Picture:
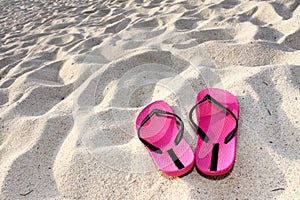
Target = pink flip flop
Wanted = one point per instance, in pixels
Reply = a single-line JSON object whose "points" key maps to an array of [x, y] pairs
{"points": [[161, 131], [217, 114]]}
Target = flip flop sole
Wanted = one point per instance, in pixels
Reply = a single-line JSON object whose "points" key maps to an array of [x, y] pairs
{"points": [[175, 160], [214, 157]]}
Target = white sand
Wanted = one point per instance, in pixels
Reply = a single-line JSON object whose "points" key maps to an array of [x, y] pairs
{"points": [[74, 76]]}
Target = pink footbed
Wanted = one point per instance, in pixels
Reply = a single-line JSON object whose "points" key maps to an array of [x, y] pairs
{"points": [[161, 132], [217, 124]]}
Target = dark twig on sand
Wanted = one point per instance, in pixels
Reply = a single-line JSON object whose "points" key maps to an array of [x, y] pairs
{"points": [[27, 193], [277, 189]]}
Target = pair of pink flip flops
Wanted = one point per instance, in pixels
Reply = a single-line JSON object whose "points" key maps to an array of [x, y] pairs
{"points": [[161, 131]]}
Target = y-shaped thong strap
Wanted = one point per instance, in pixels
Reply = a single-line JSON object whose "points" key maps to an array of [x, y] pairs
{"points": [[201, 133], [163, 113], [205, 138]]}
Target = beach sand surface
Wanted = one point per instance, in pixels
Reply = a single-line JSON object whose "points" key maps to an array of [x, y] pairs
{"points": [[74, 75]]}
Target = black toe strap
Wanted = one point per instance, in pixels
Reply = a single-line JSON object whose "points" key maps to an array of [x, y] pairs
{"points": [[175, 159], [201, 133], [161, 113]]}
